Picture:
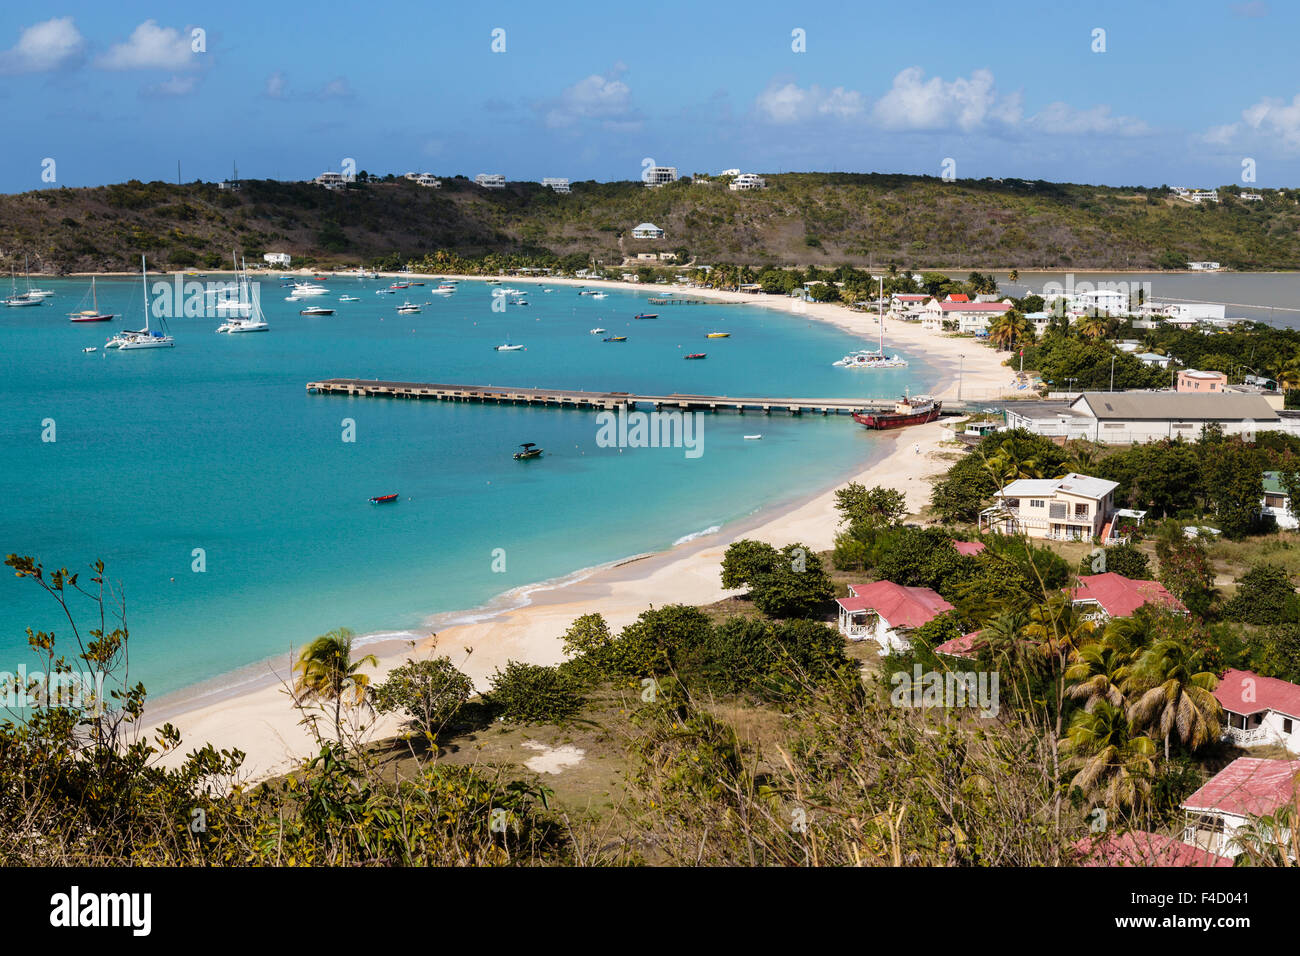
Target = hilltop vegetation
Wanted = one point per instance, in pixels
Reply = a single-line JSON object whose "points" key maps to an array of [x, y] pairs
{"points": [[823, 219]]}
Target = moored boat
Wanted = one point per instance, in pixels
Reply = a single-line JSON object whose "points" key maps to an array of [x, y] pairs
{"points": [[615, 338], [92, 314], [698, 355], [316, 310], [718, 335], [383, 499], [646, 315], [529, 450], [907, 411]]}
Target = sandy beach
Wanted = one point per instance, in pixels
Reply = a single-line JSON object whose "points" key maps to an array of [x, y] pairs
{"points": [[258, 718]]}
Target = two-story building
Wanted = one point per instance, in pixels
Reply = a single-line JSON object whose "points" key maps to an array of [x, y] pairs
{"points": [[1072, 508], [1247, 787], [884, 612], [967, 317], [1195, 380], [1260, 710]]}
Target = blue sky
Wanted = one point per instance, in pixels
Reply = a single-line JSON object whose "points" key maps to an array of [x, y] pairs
{"points": [[1182, 94]]}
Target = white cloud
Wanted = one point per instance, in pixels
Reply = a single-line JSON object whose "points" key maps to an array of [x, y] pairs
{"points": [[150, 47], [1272, 120], [913, 102], [335, 89], [1062, 118], [276, 85], [791, 103], [43, 46], [606, 98]]}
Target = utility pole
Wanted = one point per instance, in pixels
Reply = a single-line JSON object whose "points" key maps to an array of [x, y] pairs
{"points": [[1112, 372], [961, 369]]}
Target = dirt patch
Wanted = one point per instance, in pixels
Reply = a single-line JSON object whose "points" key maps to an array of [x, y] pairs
{"points": [[552, 759]]}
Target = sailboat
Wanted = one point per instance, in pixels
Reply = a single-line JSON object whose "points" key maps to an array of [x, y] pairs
{"points": [[92, 314], [249, 317], [34, 293], [145, 338], [868, 358], [19, 300]]}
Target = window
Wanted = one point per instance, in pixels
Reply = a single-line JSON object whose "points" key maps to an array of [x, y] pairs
{"points": [[1035, 503], [1057, 510], [1286, 726], [1081, 511]]}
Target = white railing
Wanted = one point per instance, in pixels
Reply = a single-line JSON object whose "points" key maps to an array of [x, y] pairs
{"points": [[1254, 735]]}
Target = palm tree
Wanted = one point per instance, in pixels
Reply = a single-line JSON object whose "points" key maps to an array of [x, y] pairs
{"points": [[1009, 328], [1058, 628], [1098, 673], [1007, 465], [1082, 456], [327, 673], [1013, 275], [1272, 839], [1091, 326], [1175, 695], [1108, 758]]}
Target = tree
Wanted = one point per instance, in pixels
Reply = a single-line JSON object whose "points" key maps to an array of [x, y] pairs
{"points": [[1122, 559], [1109, 758], [859, 505], [1098, 672], [1185, 570], [430, 692], [327, 673], [1264, 596], [588, 633], [531, 694], [1233, 475], [1010, 328], [744, 560], [788, 583], [1173, 694]]}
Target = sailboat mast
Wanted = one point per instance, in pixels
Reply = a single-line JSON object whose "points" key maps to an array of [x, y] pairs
{"points": [[880, 311], [94, 295], [144, 287]]}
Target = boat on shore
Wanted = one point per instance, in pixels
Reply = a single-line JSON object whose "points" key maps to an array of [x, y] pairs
{"points": [[907, 411]]}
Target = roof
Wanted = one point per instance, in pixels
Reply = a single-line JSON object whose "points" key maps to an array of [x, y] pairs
{"points": [[911, 296], [974, 306], [1176, 406], [968, 548], [1273, 483], [1248, 785], [1197, 373], [899, 606], [963, 646], [1140, 848], [957, 297], [1074, 484], [1245, 692], [1120, 596], [646, 225]]}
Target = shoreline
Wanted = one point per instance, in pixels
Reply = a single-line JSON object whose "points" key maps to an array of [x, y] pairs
{"points": [[247, 708]]}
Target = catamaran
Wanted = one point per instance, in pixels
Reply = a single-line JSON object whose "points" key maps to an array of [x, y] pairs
{"points": [[145, 338], [92, 314], [873, 358]]}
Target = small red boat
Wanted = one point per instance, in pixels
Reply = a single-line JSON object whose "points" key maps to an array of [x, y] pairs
{"points": [[647, 315], [382, 499], [698, 355], [907, 411]]}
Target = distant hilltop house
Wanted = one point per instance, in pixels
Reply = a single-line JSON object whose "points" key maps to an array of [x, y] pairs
{"points": [[277, 259], [1194, 380], [747, 181], [1196, 195], [1140, 416], [491, 180], [229, 185], [884, 612], [556, 184], [1204, 266], [647, 230], [1247, 787], [1251, 197], [1276, 503], [425, 179], [331, 180], [654, 176], [1073, 508], [1260, 710], [969, 316]]}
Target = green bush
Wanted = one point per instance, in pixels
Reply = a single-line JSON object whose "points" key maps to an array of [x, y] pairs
{"points": [[429, 692], [532, 694]]}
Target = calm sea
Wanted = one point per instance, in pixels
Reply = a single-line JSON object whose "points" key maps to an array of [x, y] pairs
{"points": [[212, 455]]}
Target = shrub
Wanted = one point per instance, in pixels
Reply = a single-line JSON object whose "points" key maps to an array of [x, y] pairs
{"points": [[429, 692], [1122, 559], [1264, 596], [531, 694]]}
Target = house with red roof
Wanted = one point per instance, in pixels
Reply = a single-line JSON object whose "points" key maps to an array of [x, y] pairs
{"points": [[1247, 787], [968, 548], [1260, 710], [1140, 848], [884, 612], [957, 297], [1103, 596], [965, 647]]}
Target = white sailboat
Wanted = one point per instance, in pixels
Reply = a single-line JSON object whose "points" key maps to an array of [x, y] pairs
{"points": [[34, 293], [19, 300], [145, 338], [249, 317]]}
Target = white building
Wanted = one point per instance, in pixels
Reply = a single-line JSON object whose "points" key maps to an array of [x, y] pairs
{"points": [[884, 611], [1277, 503], [1251, 197], [659, 175], [277, 259], [1260, 710], [331, 180], [1072, 508], [556, 184], [747, 181], [647, 230], [1247, 787], [425, 179], [1136, 416], [1197, 195], [1203, 266], [491, 180]]}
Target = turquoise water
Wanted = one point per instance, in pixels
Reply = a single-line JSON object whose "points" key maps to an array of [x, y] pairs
{"points": [[216, 445]]}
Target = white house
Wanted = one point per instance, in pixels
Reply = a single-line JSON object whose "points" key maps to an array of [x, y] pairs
{"points": [[1203, 266], [647, 230], [968, 317], [1251, 197], [1247, 787], [277, 259], [1101, 597], [1072, 508], [884, 611], [659, 175], [1260, 710], [491, 180], [1136, 416], [556, 184], [1277, 503], [747, 181], [331, 180]]}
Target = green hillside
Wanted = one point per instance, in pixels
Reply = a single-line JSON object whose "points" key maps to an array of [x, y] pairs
{"points": [[827, 219]]}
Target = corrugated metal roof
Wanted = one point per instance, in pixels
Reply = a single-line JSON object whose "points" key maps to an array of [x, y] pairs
{"points": [[1176, 406]]}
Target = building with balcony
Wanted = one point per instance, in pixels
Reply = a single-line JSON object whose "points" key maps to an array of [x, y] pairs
{"points": [[1247, 787], [1073, 508], [491, 180], [747, 181], [1260, 710], [884, 612], [428, 180], [647, 230], [280, 259], [1277, 503], [557, 184], [331, 180], [654, 176]]}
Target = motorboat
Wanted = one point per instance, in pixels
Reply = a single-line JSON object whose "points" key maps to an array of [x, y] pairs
{"points": [[599, 331], [615, 338], [90, 348], [508, 348], [407, 308], [718, 335], [307, 289], [646, 315], [527, 451], [383, 499], [698, 355], [753, 437], [349, 298], [316, 310]]}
